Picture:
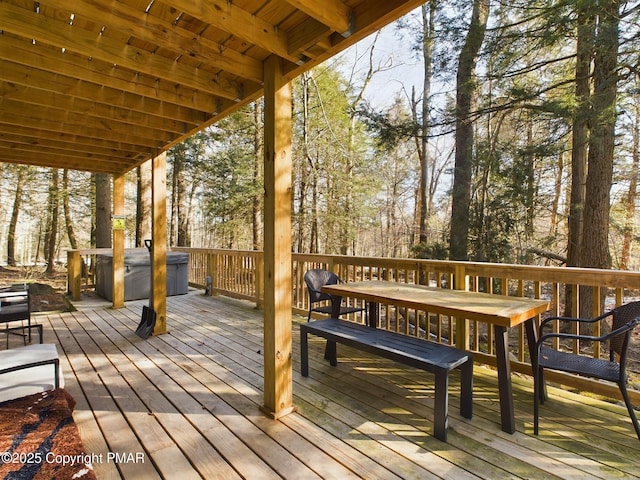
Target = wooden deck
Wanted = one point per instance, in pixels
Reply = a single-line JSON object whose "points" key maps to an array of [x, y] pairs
{"points": [[188, 404]]}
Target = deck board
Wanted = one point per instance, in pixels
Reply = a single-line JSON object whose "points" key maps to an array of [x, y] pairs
{"points": [[190, 401]]}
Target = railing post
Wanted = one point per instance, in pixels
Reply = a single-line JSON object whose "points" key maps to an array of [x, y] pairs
{"points": [[259, 280], [212, 272], [74, 274], [462, 324]]}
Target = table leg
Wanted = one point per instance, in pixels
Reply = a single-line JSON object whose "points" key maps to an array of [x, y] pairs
{"points": [[504, 379], [336, 302], [373, 314]]}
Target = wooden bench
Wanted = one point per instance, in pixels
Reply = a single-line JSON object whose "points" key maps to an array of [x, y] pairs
{"points": [[433, 357]]}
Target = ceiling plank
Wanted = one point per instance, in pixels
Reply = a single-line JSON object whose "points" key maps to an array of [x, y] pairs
{"points": [[229, 17], [31, 25], [63, 161], [67, 152], [34, 96], [78, 144], [19, 75], [105, 75], [333, 13], [52, 121], [154, 30], [306, 35], [43, 136]]}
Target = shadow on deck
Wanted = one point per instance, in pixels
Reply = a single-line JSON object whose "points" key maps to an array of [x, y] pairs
{"points": [[189, 402]]}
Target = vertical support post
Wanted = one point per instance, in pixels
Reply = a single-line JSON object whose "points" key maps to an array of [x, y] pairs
{"points": [[159, 246], [462, 324], [211, 272], [259, 280], [278, 381], [74, 274], [118, 241]]}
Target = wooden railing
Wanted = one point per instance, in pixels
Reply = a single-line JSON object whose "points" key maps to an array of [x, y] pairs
{"points": [[238, 274]]}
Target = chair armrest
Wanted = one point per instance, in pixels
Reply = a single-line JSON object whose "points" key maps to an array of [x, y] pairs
{"points": [[548, 320], [590, 338]]}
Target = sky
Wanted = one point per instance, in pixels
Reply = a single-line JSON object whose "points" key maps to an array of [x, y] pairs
{"points": [[399, 67]]}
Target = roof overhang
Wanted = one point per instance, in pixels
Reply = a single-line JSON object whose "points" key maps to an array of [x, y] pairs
{"points": [[104, 85]]}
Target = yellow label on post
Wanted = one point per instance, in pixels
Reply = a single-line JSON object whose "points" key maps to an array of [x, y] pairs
{"points": [[118, 222]]}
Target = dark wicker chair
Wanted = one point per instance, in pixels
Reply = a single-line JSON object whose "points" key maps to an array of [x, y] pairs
{"points": [[322, 302], [16, 306], [624, 319]]}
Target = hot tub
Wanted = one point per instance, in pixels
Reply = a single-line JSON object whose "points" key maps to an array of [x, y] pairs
{"points": [[137, 274]]}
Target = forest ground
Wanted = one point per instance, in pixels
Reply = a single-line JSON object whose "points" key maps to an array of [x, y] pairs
{"points": [[47, 291]]}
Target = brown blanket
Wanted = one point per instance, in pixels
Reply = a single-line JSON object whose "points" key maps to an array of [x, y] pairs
{"points": [[39, 440]]}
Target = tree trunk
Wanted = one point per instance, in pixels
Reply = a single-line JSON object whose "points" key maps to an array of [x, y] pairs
{"points": [[67, 210], [103, 211], [17, 205], [464, 137], [632, 193], [143, 204], [428, 32], [595, 245], [580, 138], [584, 48], [52, 230], [256, 206], [184, 237]]}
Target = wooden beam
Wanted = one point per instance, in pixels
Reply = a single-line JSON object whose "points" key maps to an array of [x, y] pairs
{"points": [[306, 36], [118, 242], [86, 123], [227, 16], [62, 35], [36, 125], [333, 13], [149, 28], [278, 395], [18, 77], [158, 299], [75, 146], [368, 17], [61, 161], [70, 68], [27, 147], [102, 112]]}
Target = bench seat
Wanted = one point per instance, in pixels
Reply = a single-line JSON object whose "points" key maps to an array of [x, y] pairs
{"points": [[433, 357]]}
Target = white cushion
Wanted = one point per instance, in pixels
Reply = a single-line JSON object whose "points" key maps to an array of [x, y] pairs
{"points": [[29, 380]]}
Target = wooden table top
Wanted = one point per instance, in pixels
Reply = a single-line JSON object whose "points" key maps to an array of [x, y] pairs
{"points": [[495, 309]]}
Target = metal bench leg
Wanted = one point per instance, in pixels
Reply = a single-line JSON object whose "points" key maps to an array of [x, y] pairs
{"points": [[304, 352], [331, 353], [466, 389], [441, 415]]}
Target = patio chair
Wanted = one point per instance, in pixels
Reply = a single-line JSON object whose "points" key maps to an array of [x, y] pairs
{"points": [[624, 319], [315, 280], [16, 306]]}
